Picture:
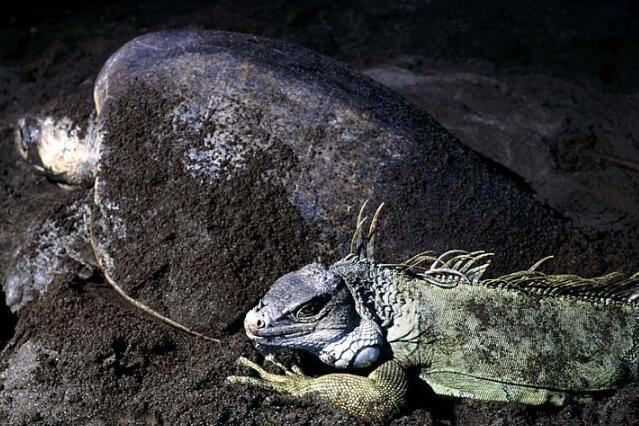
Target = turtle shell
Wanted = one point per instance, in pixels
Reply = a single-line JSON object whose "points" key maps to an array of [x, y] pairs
{"points": [[227, 160]]}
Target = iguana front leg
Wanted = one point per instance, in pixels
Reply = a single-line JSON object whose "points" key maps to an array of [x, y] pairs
{"points": [[375, 397]]}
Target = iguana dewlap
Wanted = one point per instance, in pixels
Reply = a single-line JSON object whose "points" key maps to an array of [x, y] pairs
{"points": [[526, 337]]}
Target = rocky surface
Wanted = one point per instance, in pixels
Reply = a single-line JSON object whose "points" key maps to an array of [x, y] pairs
{"points": [[79, 354]]}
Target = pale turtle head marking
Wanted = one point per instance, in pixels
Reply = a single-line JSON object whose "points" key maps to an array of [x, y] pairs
{"points": [[57, 149]]}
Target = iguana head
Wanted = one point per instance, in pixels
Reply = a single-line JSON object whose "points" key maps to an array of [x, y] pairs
{"points": [[325, 311], [312, 309]]}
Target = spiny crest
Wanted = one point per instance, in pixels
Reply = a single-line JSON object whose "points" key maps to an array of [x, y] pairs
{"points": [[456, 267], [610, 287], [449, 269], [365, 247]]}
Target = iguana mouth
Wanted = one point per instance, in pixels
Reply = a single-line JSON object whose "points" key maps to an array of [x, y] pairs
{"points": [[296, 330]]}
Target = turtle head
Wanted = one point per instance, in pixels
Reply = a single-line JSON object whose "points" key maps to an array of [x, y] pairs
{"points": [[27, 137], [54, 148], [313, 310]]}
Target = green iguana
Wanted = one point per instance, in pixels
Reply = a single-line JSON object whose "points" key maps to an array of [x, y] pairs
{"points": [[526, 337]]}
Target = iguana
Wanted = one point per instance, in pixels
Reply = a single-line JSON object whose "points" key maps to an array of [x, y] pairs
{"points": [[526, 337]]}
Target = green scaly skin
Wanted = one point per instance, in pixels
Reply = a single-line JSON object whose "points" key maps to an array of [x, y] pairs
{"points": [[526, 337]]}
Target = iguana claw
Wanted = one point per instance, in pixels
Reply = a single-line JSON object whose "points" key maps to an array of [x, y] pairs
{"points": [[284, 383], [294, 370]]}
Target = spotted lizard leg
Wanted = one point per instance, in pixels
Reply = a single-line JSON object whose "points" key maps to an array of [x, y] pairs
{"points": [[375, 397]]}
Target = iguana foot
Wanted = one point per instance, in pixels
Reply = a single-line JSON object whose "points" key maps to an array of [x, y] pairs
{"points": [[291, 382], [375, 397]]}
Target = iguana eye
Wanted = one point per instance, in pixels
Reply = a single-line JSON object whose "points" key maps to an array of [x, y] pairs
{"points": [[310, 309]]}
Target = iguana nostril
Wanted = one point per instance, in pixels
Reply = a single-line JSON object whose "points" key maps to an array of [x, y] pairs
{"points": [[254, 322]]}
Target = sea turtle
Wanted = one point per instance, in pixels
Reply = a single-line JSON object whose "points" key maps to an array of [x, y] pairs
{"points": [[216, 162]]}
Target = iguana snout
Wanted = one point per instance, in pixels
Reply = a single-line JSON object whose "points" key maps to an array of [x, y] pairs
{"points": [[253, 322]]}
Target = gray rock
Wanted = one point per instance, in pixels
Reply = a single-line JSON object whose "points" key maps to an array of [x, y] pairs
{"points": [[19, 391]]}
